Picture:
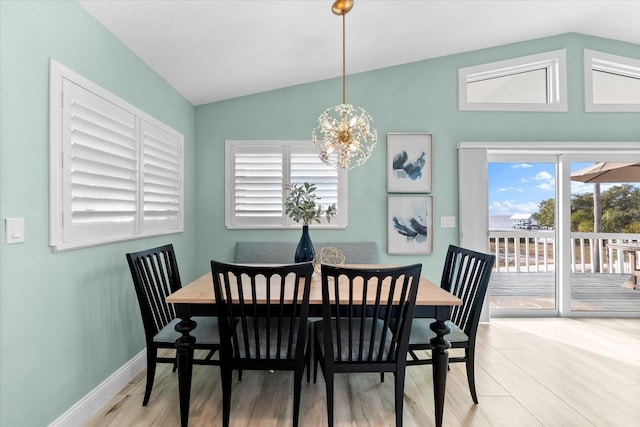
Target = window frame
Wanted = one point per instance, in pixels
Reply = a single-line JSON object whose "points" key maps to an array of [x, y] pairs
{"points": [[340, 221], [620, 65], [555, 64], [61, 235]]}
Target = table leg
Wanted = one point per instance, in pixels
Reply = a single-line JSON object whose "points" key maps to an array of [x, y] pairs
{"points": [[440, 357], [184, 357]]}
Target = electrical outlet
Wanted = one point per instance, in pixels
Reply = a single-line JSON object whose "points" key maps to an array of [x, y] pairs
{"points": [[447, 222]]}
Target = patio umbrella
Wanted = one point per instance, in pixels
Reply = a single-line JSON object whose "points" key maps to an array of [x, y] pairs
{"points": [[608, 172], [605, 172]]}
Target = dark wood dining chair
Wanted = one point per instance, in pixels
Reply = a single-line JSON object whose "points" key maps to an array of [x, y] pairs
{"points": [[366, 320], [466, 275], [155, 276], [262, 315]]}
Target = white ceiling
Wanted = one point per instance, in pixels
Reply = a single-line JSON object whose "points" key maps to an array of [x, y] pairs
{"points": [[210, 50]]}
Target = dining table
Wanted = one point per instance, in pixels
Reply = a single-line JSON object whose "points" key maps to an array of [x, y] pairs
{"points": [[632, 249], [197, 299]]}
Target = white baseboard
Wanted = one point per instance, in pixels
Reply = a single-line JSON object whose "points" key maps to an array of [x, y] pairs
{"points": [[85, 407]]}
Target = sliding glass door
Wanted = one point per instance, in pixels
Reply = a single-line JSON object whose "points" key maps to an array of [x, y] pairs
{"points": [[564, 246]]}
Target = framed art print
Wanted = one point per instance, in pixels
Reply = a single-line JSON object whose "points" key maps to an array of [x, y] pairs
{"points": [[409, 224], [409, 162]]}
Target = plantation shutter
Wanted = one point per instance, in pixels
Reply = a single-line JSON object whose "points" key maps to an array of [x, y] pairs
{"points": [[257, 178], [100, 162], [115, 173], [162, 178], [257, 185], [306, 166]]}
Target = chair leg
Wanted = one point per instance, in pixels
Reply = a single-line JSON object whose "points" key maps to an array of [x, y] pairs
{"points": [[297, 391], [152, 354], [226, 374], [316, 359], [399, 395], [471, 373], [307, 360], [381, 377], [328, 379]]}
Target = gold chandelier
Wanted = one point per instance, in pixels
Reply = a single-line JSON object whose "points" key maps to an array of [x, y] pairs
{"points": [[344, 137]]}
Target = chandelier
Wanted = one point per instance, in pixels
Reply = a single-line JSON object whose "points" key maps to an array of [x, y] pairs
{"points": [[344, 137]]}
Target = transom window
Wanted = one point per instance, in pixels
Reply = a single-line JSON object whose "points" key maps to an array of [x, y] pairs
{"points": [[529, 83], [258, 174], [612, 83]]}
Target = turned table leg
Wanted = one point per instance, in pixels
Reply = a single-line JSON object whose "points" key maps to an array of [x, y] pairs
{"points": [[440, 357], [184, 357]]}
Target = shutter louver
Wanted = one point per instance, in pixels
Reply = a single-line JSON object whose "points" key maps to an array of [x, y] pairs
{"points": [[100, 166], [162, 179]]}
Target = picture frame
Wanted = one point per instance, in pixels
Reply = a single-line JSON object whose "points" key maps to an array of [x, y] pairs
{"points": [[409, 162], [409, 224]]}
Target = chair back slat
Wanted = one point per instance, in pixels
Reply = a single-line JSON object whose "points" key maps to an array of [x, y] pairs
{"points": [[466, 275], [367, 313], [262, 310], [155, 276]]}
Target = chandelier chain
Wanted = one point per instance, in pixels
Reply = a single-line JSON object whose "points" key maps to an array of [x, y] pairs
{"points": [[344, 61]]}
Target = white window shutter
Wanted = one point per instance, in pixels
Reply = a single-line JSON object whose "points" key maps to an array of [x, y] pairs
{"points": [[116, 173], [306, 166], [257, 184], [257, 177], [162, 179], [99, 166]]}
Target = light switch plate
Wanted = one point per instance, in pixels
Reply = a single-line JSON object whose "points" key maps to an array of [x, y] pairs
{"points": [[447, 222], [14, 230]]}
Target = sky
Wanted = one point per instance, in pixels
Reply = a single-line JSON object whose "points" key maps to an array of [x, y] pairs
{"points": [[520, 187]]}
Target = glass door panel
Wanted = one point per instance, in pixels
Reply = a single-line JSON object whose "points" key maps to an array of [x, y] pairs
{"points": [[522, 195], [605, 233]]}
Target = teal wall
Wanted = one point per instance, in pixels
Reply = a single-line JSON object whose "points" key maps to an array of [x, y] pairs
{"points": [[68, 320], [417, 97]]}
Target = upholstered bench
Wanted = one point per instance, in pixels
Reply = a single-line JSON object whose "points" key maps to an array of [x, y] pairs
{"points": [[283, 252]]}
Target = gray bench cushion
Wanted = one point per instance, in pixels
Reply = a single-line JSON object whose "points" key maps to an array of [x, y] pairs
{"points": [[283, 252]]}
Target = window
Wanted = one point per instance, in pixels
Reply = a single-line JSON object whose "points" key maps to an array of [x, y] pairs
{"points": [[258, 173], [530, 83], [115, 172], [612, 83]]}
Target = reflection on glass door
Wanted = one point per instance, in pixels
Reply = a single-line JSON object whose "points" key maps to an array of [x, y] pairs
{"points": [[605, 236], [522, 195]]}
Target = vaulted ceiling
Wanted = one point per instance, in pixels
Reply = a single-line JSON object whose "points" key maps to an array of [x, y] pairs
{"points": [[214, 50]]}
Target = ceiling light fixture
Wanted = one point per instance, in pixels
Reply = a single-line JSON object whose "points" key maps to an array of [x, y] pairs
{"points": [[344, 137]]}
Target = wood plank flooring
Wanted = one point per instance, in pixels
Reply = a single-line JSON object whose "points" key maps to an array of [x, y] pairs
{"points": [[529, 372], [589, 292]]}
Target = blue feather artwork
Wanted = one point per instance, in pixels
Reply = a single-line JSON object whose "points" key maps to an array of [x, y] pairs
{"points": [[404, 167], [413, 228], [409, 161], [409, 224]]}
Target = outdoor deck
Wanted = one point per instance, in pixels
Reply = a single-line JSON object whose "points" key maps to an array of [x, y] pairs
{"points": [[590, 292]]}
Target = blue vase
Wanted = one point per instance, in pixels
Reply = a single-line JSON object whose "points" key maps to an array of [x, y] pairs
{"points": [[305, 251]]}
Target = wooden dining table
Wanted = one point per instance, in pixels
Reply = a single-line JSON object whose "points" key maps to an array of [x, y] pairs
{"points": [[632, 250], [197, 299]]}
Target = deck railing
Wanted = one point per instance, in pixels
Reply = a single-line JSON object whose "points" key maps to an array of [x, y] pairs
{"points": [[534, 251]]}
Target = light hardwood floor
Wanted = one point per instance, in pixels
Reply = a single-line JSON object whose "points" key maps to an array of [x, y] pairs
{"points": [[529, 372]]}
